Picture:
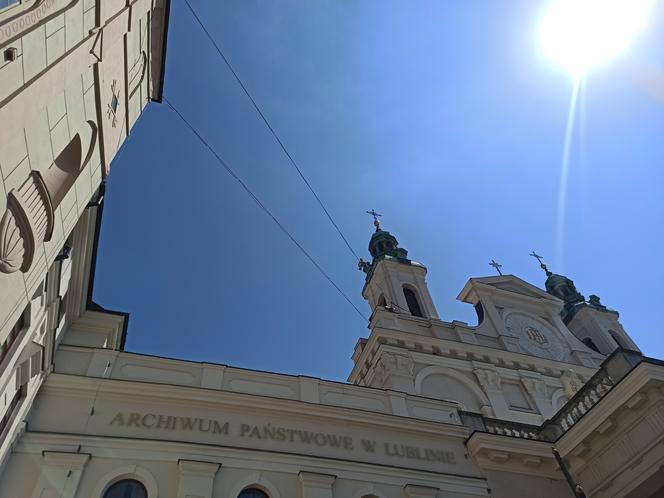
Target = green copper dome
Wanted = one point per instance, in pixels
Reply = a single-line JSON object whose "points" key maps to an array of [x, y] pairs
{"points": [[383, 244], [564, 289]]}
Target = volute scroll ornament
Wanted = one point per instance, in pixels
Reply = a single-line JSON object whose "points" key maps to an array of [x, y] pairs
{"points": [[28, 221]]}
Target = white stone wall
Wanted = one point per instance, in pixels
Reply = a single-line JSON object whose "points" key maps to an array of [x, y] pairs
{"points": [[61, 61]]}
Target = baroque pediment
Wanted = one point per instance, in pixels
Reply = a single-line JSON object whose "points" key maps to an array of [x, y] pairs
{"points": [[505, 285]]}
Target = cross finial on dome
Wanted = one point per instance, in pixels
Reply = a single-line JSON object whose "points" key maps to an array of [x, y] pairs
{"points": [[497, 266], [375, 217], [542, 265]]}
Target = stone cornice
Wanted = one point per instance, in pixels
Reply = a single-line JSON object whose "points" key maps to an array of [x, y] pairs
{"points": [[210, 398], [198, 468], [511, 454], [456, 350]]}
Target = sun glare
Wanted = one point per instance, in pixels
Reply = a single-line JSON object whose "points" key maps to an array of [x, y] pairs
{"points": [[580, 34]]}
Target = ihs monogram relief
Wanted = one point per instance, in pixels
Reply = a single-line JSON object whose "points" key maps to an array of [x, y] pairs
{"points": [[535, 335], [112, 108]]}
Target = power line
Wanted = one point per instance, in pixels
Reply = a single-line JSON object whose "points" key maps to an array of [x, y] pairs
{"points": [[263, 207], [274, 133]]}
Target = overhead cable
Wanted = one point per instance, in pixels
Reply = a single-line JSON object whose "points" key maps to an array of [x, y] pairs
{"points": [[272, 131], [260, 204]]}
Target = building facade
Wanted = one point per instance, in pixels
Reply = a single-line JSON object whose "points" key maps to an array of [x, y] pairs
{"points": [[75, 76], [546, 396]]}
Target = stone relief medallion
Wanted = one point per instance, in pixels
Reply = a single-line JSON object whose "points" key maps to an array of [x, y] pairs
{"points": [[535, 337]]}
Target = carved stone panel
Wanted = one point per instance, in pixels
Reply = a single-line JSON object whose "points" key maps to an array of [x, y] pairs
{"points": [[27, 222], [535, 337]]}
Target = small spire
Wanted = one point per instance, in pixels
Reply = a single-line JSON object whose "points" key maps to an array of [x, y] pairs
{"points": [[375, 217], [542, 265], [497, 266]]}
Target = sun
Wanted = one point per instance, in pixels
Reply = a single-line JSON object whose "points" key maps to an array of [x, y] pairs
{"points": [[580, 34]]}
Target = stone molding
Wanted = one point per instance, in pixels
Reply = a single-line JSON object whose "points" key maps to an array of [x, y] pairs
{"points": [[393, 364], [72, 384], [510, 454], [196, 478], [535, 387], [128, 472], [414, 491], [316, 485], [197, 468], [571, 382], [61, 472], [489, 379], [448, 350]]}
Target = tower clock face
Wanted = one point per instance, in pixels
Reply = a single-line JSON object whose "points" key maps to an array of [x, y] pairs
{"points": [[535, 337]]}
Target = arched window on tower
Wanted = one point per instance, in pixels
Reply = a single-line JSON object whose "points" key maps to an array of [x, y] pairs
{"points": [[381, 301], [591, 344], [413, 303], [618, 340], [252, 493], [127, 488]]}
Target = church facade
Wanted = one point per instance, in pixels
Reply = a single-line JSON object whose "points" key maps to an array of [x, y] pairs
{"points": [[546, 396]]}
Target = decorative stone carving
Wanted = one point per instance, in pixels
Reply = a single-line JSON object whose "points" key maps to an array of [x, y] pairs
{"points": [[571, 382], [535, 387], [27, 221], [29, 218], [393, 364], [535, 337], [489, 379]]}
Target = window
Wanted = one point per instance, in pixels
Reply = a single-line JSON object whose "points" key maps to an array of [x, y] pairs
{"points": [[252, 493], [618, 340], [479, 309], [591, 344], [413, 304], [127, 488]]}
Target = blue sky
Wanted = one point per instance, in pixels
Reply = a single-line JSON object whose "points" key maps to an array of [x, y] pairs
{"points": [[442, 115]]}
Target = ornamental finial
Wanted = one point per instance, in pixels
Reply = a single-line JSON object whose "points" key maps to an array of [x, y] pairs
{"points": [[542, 265], [375, 217], [497, 266]]}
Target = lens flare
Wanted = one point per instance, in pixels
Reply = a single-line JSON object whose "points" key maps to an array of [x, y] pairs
{"points": [[580, 34]]}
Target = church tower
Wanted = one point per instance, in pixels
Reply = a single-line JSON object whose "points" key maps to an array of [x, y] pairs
{"points": [[590, 321], [393, 281]]}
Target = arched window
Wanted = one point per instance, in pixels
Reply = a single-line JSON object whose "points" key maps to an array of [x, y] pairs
{"points": [[413, 303], [381, 301], [591, 344], [618, 340], [127, 488], [253, 493]]}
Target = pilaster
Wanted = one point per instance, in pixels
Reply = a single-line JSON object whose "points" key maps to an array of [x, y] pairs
{"points": [[316, 485], [536, 388], [413, 491], [489, 379], [196, 478], [61, 474]]}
